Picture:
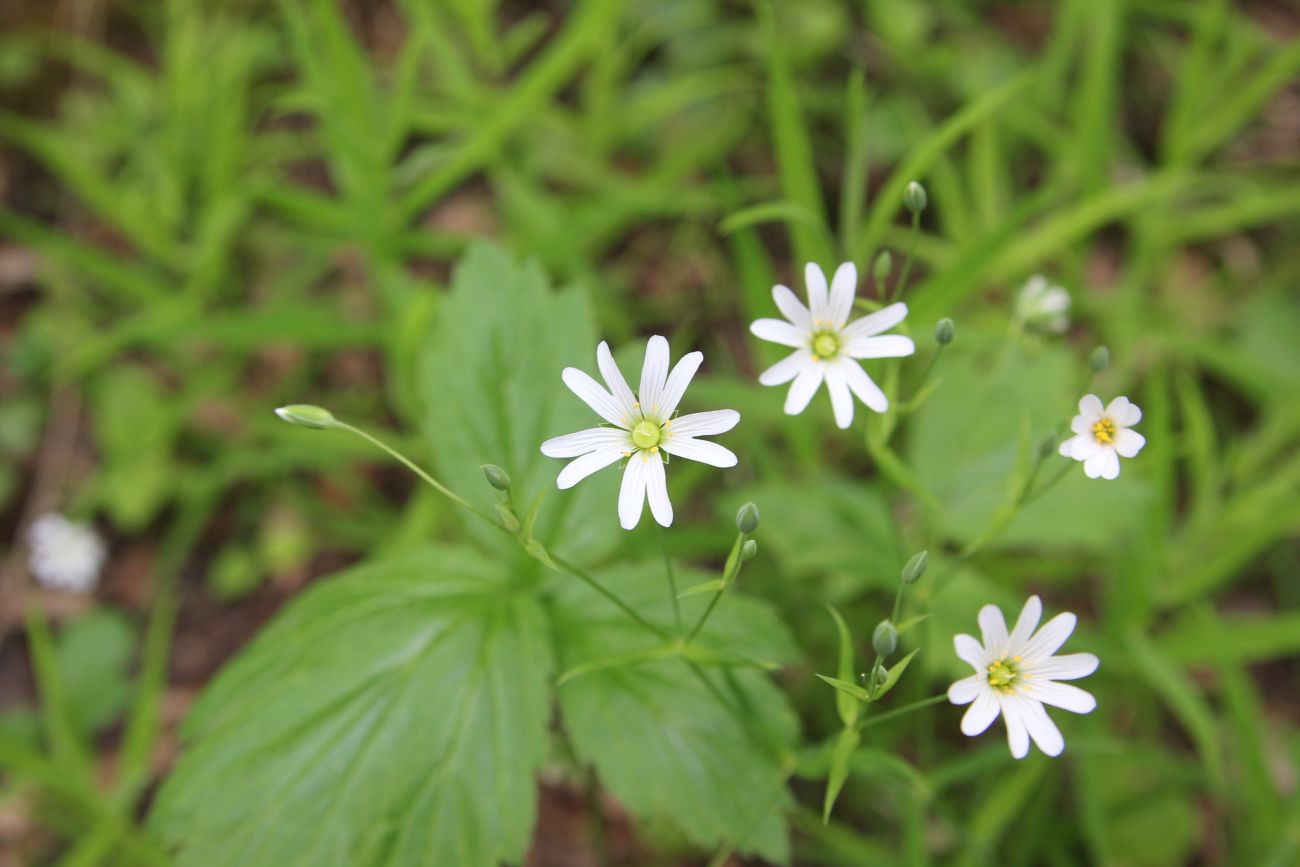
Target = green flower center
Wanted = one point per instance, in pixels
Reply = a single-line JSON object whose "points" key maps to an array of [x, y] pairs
{"points": [[826, 344], [646, 435], [1005, 673]]}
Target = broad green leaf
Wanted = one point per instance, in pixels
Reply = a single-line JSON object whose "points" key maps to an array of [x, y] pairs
{"points": [[493, 392], [659, 737], [92, 653], [392, 715]]}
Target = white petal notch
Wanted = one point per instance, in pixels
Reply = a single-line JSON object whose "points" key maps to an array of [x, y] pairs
{"points": [[642, 430], [1103, 435], [827, 346], [1017, 673]]}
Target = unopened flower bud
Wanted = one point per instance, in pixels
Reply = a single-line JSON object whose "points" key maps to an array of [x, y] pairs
{"points": [[748, 550], [496, 477], [883, 268], [885, 639], [1099, 359], [915, 567], [914, 197], [306, 415], [944, 331], [747, 518]]}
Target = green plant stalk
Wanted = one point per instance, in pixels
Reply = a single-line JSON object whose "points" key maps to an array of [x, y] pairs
{"points": [[729, 573], [906, 273], [672, 581]]}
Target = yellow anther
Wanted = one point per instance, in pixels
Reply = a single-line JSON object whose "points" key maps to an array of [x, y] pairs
{"points": [[1103, 431]]}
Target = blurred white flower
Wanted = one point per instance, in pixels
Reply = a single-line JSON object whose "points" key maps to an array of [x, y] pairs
{"points": [[1043, 306], [1016, 674], [643, 430], [64, 555], [826, 343], [1102, 435]]}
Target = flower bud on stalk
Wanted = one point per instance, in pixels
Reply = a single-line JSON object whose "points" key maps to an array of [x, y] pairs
{"points": [[496, 477], [747, 518], [883, 268], [944, 331], [306, 415], [915, 567], [1099, 359], [748, 550], [885, 639], [915, 198]]}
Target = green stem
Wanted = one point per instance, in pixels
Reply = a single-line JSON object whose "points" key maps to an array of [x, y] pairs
{"points": [[897, 712], [672, 581], [729, 574], [1051, 483], [590, 580], [911, 255]]}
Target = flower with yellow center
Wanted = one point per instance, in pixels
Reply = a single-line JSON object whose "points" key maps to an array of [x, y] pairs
{"points": [[827, 346], [643, 429], [1016, 674], [1102, 435]]}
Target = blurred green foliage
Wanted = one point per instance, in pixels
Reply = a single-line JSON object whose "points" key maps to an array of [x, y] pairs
{"points": [[264, 209]]}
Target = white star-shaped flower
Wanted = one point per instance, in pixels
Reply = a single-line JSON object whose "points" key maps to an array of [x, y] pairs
{"points": [[64, 555], [827, 345], [1102, 435], [1016, 674], [1040, 305], [644, 429]]}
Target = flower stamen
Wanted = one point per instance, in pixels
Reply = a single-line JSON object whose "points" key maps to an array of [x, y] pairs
{"points": [[1103, 430], [825, 345]]}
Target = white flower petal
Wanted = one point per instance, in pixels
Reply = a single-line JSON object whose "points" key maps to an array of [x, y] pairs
{"points": [[967, 689], [654, 372], [815, 280], [656, 488], [971, 652], [802, 390], [1103, 464], [1081, 447], [577, 470], [614, 379], [600, 401], [631, 494], [1124, 411], [874, 323], [791, 307], [1063, 695], [780, 331], [888, 346], [844, 285], [981, 714], [1082, 425], [787, 368], [1070, 666], [701, 424], [1054, 301], [1050, 638], [575, 444], [1026, 623], [681, 377], [863, 386], [699, 450], [994, 629], [1040, 726], [1128, 442], [1017, 732], [841, 398], [1090, 407]]}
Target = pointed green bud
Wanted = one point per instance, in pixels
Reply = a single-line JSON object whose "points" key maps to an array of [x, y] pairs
{"points": [[1099, 359], [306, 415], [944, 331], [748, 550], [496, 477], [508, 518], [885, 639], [747, 518], [883, 268], [1047, 447], [914, 197], [915, 567]]}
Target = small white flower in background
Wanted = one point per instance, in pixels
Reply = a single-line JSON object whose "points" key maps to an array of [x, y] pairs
{"points": [[1043, 306], [64, 555], [643, 430], [1016, 674], [826, 344], [1102, 435]]}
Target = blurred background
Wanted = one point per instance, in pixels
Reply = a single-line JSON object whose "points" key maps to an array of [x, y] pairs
{"points": [[209, 209]]}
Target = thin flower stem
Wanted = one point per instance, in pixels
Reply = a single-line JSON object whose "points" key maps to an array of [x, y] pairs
{"points": [[672, 581], [591, 581], [897, 712], [1048, 485], [728, 576], [911, 255], [898, 602], [929, 369]]}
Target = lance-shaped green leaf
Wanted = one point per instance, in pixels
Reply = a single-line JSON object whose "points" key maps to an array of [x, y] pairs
{"points": [[845, 744], [700, 748], [845, 703], [847, 688], [392, 715], [891, 678]]}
